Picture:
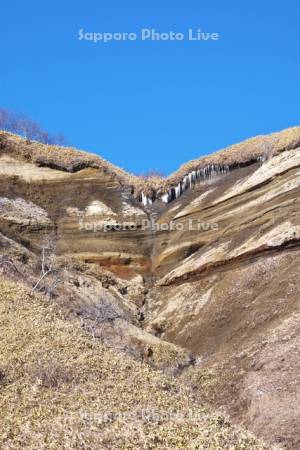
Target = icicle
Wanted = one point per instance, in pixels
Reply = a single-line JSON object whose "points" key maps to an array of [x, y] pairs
{"points": [[185, 183], [146, 200], [165, 198], [178, 190], [204, 174], [261, 159]]}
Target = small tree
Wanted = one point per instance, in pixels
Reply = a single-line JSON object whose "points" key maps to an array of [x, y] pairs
{"points": [[27, 128], [47, 268]]}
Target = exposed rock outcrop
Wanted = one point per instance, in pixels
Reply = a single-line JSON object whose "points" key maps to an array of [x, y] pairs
{"points": [[205, 286]]}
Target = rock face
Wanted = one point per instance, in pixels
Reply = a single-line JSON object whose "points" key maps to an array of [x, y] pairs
{"points": [[204, 285], [231, 295]]}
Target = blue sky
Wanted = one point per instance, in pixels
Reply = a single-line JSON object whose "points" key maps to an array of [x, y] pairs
{"points": [[149, 105]]}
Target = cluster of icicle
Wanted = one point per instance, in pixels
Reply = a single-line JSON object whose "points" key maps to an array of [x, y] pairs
{"points": [[189, 180], [207, 173], [262, 159]]}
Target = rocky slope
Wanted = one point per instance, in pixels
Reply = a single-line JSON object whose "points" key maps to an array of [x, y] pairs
{"points": [[195, 275]]}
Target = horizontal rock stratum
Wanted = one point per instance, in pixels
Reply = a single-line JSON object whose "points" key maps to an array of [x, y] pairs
{"points": [[195, 275]]}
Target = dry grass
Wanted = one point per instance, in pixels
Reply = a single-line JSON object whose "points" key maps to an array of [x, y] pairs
{"points": [[68, 159], [72, 160], [243, 152], [62, 390]]}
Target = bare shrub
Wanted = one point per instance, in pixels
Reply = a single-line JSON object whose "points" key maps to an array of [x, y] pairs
{"points": [[49, 275], [49, 374], [27, 128], [106, 312], [8, 266], [96, 319]]}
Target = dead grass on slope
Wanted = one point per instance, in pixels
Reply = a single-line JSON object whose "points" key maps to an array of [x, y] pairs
{"points": [[72, 160], [68, 159], [60, 389], [244, 152]]}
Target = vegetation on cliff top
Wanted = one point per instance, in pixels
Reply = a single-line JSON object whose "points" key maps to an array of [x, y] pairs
{"points": [[72, 160]]}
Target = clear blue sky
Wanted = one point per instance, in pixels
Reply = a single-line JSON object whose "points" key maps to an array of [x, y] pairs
{"points": [[152, 105]]}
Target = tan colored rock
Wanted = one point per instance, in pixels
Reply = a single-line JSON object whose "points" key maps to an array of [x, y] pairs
{"points": [[228, 295]]}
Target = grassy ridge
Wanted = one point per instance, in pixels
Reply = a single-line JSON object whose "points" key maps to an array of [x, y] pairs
{"points": [[71, 160]]}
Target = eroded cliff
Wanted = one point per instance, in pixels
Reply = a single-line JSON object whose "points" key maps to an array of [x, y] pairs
{"points": [[196, 274]]}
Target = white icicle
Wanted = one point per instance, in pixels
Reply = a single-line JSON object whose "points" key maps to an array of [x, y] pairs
{"points": [[177, 191], [165, 198], [261, 159], [185, 183], [203, 174], [144, 199]]}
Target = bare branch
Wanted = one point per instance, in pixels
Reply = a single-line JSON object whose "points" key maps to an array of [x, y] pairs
{"points": [[27, 128], [48, 248], [5, 262]]}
